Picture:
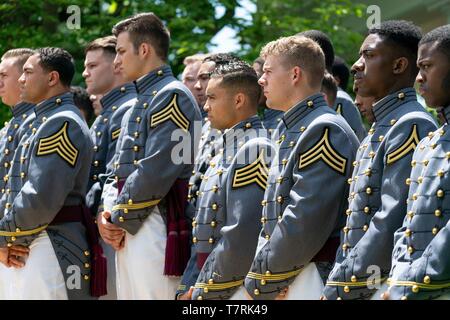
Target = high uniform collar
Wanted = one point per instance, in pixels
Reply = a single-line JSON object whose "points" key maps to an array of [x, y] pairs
{"points": [[21, 108], [303, 108], [53, 102], [238, 131], [112, 96], [391, 102], [147, 81]]}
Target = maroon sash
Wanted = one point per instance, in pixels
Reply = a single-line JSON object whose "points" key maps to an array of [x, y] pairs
{"points": [[98, 262], [328, 251], [177, 246]]}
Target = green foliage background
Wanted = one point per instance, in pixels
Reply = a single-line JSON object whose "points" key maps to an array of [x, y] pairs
{"points": [[31, 23]]}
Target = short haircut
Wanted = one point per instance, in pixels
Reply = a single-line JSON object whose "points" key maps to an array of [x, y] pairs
{"points": [[194, 58], [340, 69], [107, 44], [82, 101], [239, 77], [440, 36], [20, 54], [403, 35], [298, 51], [222, 58], [59, 60], [325, 44], [146, 27], [329, 85]]}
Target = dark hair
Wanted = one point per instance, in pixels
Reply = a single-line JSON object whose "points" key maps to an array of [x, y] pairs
{"points": [[82, 101], [342, 71], [222, 58], [146, 27], [240, 77], [441, 36], [325, 44], [403, 35], [330, 86], [59, 60], [21, 55], [107, 44]]}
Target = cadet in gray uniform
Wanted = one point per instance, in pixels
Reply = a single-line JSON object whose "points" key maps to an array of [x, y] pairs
{"points": [[344, 104], [103, 78], [301, 207], [45, 191], [153, 162], [386, 71], [210, 139], [226, 223], [420, 260], [10, 70]]}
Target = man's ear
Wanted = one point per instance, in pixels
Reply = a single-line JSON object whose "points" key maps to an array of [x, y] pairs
{"points": [[239, 100], [400, 65], [145, 50], [53, 78], [296, 74]]}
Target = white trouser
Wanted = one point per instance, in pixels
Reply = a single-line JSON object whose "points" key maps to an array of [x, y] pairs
{"points": [[377, 295], [307, 286], [41, 277], [140, 264], [110, 256]]}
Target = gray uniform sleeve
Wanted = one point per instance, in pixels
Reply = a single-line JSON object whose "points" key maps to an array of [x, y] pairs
{"points": [[349, 279], [155, 174], [226, 266], [427, 277], [190, 274], [309, 219], [54, 163]]}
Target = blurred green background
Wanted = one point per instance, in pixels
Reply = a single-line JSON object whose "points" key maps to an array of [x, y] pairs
{"points": [[193, 25]]}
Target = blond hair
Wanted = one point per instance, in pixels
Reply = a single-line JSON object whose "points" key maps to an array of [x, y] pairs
{"points": [[194, 58], [298, 51], [20, 54]]}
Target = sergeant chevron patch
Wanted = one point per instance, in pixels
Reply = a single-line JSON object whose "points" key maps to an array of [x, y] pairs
{"points": [[324, 151], [171, 112], [408, 146], [339, 108], [59, 143], [254, 172], [115, 134]]}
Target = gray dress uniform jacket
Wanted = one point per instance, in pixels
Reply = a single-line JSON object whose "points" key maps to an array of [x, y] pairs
{"points": [[155, 132], [378, 194], [345, 107], [271, 118], [305, 194], [9, 138], [210, 143], [227, 216], [420, 260], [104, 133], [50, 171]]}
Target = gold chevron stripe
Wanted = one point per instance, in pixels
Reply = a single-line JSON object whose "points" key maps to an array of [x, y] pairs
{"points": [[339, 108], [59, 143], [136, 206], [410, 145], [219, 286], [273, 277], [171, 112], [256, 172], [418, 284], [323, 151], [23, 233], [354, 284], [115, 134]]}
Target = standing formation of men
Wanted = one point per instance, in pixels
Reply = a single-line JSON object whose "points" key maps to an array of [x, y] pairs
{"points": [[238, 182]]}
